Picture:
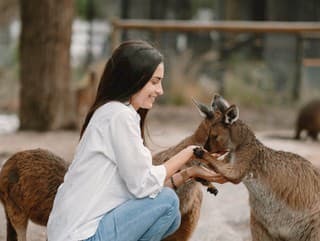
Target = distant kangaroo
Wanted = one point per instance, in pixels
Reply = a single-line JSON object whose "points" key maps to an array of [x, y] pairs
{"points": [[284, 188], [29, 182], [309, 120]]}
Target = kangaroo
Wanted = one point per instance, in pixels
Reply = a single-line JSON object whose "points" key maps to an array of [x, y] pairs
{"points": [[85, 95], [309, 119], [28, 184], [284, 188], [86, 91], [29, 181]]}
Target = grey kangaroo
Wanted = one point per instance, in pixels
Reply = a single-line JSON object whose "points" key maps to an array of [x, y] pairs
{"points": [[308, 120], [284, 188]]}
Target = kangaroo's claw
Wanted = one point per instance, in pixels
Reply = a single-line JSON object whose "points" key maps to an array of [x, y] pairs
{"points": [[198, 152], [213, 190]]}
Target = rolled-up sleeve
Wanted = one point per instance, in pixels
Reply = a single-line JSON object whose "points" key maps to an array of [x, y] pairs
{"points": [[133, 158]]}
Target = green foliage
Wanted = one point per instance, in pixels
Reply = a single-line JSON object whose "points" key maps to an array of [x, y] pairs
{"points": [[176, 99], [98, 8], [81, 8], [204, 4], [252, 83]]}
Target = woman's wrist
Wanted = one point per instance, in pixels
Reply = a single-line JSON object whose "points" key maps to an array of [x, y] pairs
{"points": [[186, 173], [180, 178], [189, 151], [173, 183]]}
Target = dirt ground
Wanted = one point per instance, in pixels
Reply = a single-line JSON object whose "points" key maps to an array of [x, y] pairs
{"points": [[224, 217]]}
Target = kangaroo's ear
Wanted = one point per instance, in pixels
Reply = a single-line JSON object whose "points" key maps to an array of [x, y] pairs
{"points": [[219, 103], [203, 109], [231, 114]]}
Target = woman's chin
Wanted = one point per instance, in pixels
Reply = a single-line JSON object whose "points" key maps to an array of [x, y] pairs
{"points": [[148, 106]]}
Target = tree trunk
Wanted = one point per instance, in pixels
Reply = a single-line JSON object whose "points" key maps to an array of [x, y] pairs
{"points": [[45, 95]]}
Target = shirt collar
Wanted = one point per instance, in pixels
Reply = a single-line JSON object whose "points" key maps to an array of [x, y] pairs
{"points": [[127, 103]]}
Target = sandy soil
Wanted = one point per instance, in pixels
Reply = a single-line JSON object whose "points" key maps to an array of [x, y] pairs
{"points": [[224, 217]]}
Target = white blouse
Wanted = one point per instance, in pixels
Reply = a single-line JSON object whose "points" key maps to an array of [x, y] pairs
{"points": [[111, 166]]}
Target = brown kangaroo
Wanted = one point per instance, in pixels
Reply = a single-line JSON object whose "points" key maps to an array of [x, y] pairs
{"points": [[29, 182], [309, 119], [284, 188], [85, 95]]}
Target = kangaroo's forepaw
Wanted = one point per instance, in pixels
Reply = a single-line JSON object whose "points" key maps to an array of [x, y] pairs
{"points": [[198, 152]]}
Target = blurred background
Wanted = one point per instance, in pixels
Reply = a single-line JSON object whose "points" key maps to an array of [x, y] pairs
{"points": [[53, 53], [262, 55]]}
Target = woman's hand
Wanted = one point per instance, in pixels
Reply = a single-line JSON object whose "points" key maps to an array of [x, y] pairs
{"points": [[204, 173], [176, 162], [191, 150]]}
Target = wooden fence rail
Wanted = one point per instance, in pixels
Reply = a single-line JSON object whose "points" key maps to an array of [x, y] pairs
{"points": [[220, 26]]}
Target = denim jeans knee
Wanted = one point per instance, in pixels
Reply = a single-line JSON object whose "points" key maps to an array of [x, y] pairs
{"points": [[170, 197], [171, 217]]}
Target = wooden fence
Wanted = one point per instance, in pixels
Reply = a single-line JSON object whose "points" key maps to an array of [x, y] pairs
{"points": [[302, 30], [298, 28]]}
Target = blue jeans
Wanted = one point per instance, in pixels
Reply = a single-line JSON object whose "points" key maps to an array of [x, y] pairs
{"points": [[144, 219]]}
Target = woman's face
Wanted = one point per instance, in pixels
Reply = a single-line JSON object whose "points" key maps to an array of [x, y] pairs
{"points": [[145, 97]]}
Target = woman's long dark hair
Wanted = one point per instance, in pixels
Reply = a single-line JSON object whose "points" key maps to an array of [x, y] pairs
{"points": [[127, 71]]}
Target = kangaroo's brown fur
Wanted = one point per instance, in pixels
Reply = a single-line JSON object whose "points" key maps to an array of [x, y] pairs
{"points": [[85, 96], [29, 182], [284, 188], [309, 120], [86, 91]]}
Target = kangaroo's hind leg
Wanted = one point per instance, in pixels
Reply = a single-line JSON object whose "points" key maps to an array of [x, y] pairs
{"points": [[17, 223], [11, 232]]}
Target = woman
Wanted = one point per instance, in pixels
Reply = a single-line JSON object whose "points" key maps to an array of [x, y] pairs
{"points": [[111, 190]]}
